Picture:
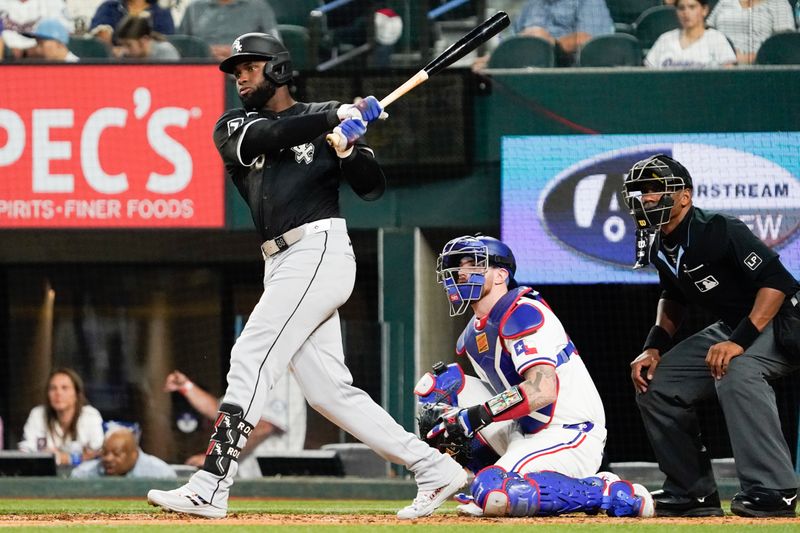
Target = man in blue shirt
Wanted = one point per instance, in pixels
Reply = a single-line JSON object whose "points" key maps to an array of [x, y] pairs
{"points": [[121, 456], [566, 23]]}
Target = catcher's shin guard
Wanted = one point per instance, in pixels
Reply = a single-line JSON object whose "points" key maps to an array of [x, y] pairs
{"points": [[560, 494], [224, 445]]}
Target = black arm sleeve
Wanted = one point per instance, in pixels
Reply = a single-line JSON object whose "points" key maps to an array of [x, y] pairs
{"points": [[264, 136], [363, 173]]}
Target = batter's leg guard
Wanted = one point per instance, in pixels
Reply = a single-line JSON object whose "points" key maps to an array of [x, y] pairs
{"points": [[560, 494], [224, 445]]}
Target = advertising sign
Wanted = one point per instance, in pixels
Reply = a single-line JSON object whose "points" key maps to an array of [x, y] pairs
{"points": [[563, 214], [110, 146]]}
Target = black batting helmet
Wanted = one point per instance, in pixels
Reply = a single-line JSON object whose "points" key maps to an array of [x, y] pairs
{"points": [[261, 47]]}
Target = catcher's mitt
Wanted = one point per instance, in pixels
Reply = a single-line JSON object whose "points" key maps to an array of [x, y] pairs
{"points": [[458, 447]]}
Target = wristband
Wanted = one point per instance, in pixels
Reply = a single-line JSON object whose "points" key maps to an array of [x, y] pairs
{"points": [[186, 387], [658, 338], [745, 333], [508, 405]]}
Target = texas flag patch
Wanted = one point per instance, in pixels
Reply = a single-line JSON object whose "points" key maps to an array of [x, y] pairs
{"points": [[520, 348]]}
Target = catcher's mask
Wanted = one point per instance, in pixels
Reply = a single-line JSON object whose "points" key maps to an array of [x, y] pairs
{"points": [[261, 47], [472, 257], [659, 174]]}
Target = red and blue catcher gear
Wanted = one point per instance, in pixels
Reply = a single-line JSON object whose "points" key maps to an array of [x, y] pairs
{"points": [[510, 319], [442, 385], [436, 390], [471, 256]]}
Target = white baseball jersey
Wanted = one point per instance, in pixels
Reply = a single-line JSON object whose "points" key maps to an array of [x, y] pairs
{"points": [[710, 50], [519, 333]]}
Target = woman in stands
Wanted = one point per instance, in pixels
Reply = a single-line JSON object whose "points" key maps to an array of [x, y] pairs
{"points": [[691, 45], [65, 422], [137, 40], [748, 23]]}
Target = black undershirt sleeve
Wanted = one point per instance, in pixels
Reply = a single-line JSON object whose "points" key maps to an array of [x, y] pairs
{"points": [[363, 173], [266, 136]]}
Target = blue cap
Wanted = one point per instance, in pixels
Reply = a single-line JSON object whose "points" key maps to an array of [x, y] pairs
{"points": [[49, 28]]}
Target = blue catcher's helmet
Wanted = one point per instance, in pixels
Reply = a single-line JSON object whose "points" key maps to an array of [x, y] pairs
{"points": [[471, 256]]}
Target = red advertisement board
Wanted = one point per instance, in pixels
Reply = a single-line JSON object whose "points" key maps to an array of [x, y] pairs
{"points": [[110, 146]]}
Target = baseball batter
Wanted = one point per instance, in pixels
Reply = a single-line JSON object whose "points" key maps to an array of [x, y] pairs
{"points": [[530, 373], [275, 152]]}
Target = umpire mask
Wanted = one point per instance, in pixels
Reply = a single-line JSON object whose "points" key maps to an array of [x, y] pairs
{"points": [[657, 175]]}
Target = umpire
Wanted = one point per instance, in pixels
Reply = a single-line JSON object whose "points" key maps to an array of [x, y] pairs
{"points": [[714, 261]]}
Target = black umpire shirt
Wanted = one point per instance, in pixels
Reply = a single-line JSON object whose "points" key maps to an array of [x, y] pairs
{"points": [[284, 168], [715, 261]]}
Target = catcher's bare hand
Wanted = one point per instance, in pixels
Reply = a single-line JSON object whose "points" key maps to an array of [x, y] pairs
{"points": [[648, 360], [720, 355]]}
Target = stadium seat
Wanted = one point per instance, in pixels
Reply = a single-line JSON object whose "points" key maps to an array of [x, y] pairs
{"points": [[653, 22], [521, 52], [294, 12], [780, 49], [88, 48], [298, 40], [616, 50], [189, 46]]}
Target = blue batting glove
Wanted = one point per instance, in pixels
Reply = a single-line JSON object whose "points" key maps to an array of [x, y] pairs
{"points": [[370, 109], [352, 129]]}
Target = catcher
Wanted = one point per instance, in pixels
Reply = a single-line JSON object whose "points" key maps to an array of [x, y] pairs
{"points": [[529, 457]]}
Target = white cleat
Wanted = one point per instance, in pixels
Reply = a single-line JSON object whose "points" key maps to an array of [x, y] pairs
{"points": [[427, 501], [184, 500], [648, 508], [470, 509]]}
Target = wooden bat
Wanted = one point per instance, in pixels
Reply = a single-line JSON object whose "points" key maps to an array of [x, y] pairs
{"points": [[466, 44]]}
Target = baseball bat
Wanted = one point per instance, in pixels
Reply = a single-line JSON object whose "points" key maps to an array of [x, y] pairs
{"points": [[466, 44]]}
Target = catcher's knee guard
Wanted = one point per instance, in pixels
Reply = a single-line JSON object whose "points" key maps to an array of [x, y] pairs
{"points": [[560, 494], [487, 488], [224, 444], [622, 500], [501, 493]]}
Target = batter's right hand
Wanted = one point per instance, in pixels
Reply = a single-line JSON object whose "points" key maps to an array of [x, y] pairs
{"points": [[647, 360]]}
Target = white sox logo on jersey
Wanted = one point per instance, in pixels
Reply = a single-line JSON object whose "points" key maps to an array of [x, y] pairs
{"points": [[303, 153]]}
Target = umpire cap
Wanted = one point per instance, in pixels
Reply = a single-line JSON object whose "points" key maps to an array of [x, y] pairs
{"points": [[261, 47]]}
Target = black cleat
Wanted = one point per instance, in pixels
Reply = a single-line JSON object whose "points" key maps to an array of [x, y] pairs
{"points": [[669, 504], [762, 502]]}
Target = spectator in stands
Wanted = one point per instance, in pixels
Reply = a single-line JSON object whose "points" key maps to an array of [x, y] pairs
{"points": [[52, 38], [121, 456], [137, 40], [20, 16], [64, 419], [111, 12], [748, 23], [220, 22], [566, 23], [282, 426], [692, 45]]}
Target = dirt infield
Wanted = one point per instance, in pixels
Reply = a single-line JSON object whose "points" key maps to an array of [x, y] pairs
{"points": [[265, 519]]}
